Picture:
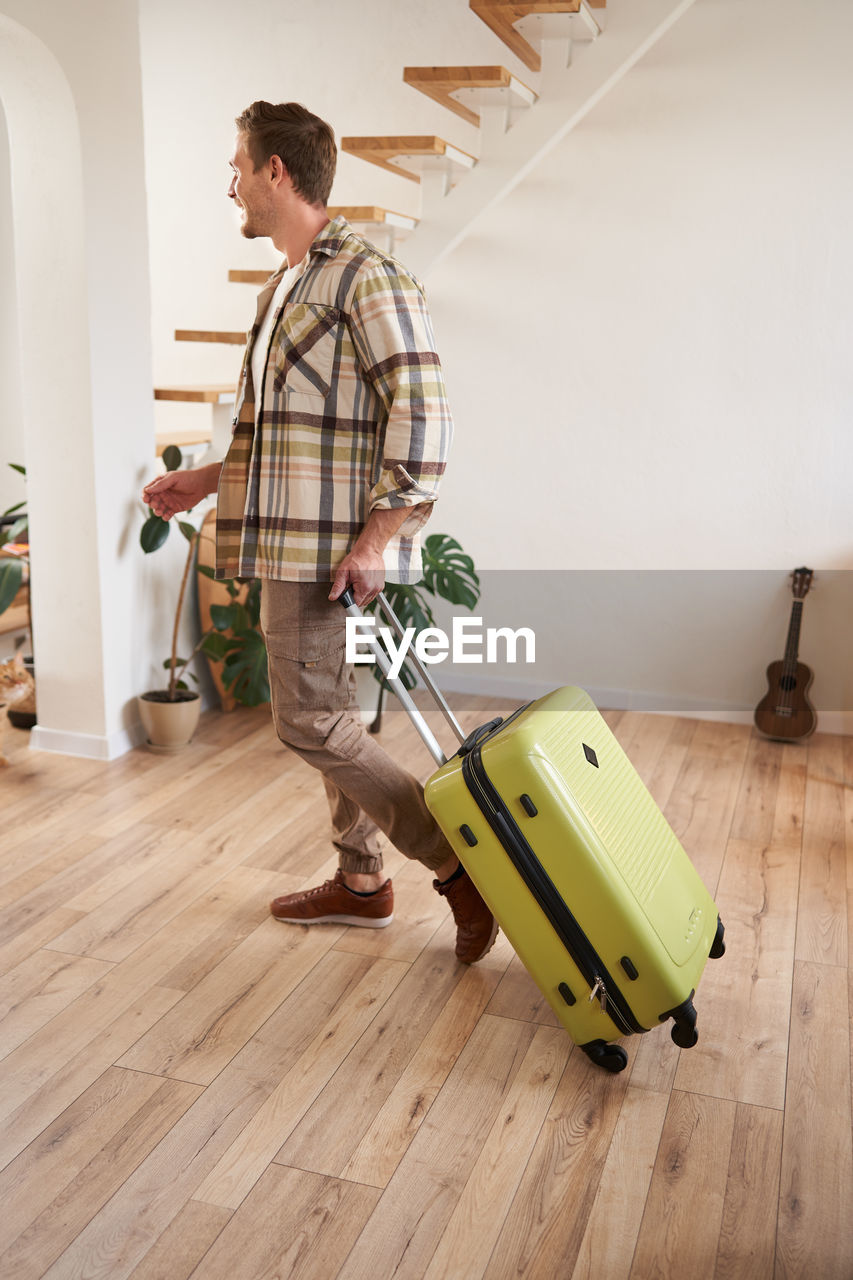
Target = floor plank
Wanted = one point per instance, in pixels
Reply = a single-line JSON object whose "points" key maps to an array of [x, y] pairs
{"points": [[246, 1159], [396, 1122], [294, 1224], [469, 1237], [184, 1243], [822, 914], [815, 1236], [52, 1193], [747, 1245], [212, 1023], [544, 1229], [130, 1224], [333, 1128], [38, 988], [608, 1244], [684, 1211], [518, 996], [742, 1052], [423, 1194]]}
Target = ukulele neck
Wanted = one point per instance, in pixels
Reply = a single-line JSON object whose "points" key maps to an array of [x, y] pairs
{"points": [[792, 645]]}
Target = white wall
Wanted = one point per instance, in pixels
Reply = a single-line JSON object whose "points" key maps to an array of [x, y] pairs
{"points": [[78, 197], [12, 445], [646, 343]]}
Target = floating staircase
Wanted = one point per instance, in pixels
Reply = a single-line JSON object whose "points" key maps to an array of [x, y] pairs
{"points": [[557, 40]]}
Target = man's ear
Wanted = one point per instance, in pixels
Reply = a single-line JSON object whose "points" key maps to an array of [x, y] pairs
{"points": [[277, 170]]}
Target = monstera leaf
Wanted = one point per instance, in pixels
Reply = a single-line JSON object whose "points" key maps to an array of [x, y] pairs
{"points": [[244, 671], [449, 571]]}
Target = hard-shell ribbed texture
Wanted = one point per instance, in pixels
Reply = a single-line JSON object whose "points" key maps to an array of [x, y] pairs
{"points": [[614, 801]]}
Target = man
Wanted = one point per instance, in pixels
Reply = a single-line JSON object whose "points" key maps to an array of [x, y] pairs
{"points": [[340, 438]]}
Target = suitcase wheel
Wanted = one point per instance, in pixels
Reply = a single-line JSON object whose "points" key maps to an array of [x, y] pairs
{"points": [[718, 946], [684, 1031], [685, 1037], [612, 1057]]}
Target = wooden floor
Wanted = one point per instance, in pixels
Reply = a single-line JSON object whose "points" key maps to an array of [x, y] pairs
{"points": [[190, 1088]]}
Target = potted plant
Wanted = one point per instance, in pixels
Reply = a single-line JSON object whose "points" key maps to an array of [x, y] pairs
{"points": [[170, 716], [449, 574]]}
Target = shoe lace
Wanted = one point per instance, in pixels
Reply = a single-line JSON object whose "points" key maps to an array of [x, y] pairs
{"points": [[325, 887]]}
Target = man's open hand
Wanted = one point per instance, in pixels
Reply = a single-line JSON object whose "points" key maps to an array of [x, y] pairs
{"points": [[176, 491]]}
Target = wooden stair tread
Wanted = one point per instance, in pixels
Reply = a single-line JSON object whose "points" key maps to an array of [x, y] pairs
{"points": [[372, 215], [211, 393], [252, 275], [403, 154], [366, 215], [209, 335], [479, 84], [501, 16]]}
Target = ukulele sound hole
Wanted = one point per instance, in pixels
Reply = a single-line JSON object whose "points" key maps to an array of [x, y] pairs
{"points": [[787, 683]]}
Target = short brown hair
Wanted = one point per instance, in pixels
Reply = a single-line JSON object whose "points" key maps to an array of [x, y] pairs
{"points": [[304, 143]]}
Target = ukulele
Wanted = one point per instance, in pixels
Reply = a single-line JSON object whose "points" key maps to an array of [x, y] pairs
{"points": [[785, 712]]}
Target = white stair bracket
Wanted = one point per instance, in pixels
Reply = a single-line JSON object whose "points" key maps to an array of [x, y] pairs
{"points": [[565, 99], [386, 231], [543, 29], [452, 164], [505, 102], [435, 184], [522, 24], [495, 121], [411, 157]]}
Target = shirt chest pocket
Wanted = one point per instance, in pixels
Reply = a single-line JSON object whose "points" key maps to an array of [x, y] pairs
{"points": [[304, 349]]}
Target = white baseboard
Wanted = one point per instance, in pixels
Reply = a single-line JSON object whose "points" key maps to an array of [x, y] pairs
{"points": [[89, 746], [838, 722]]}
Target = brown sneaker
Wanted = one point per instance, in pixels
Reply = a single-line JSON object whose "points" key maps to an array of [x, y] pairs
{"points": [[334, 903], [476, 927]]}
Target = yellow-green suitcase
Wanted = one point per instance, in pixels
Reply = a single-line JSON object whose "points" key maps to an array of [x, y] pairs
{"points": [[579, 867]]}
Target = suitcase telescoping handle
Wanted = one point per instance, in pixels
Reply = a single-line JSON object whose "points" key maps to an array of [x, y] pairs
{"points": [[372, 641]]}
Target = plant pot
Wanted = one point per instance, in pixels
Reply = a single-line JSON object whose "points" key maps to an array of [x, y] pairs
{"points": [[169, 726]]}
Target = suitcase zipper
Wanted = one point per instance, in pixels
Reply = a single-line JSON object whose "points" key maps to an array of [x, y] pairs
{"points": [[576, 942]]}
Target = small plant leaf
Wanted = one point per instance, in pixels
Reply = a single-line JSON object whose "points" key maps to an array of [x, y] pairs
{"points": [[172, 457], [153, 533], [11, 577], [240, 620], [206, 570], [216, 646], [15, 531], [188, 530], [16, 466], [220, 616]]}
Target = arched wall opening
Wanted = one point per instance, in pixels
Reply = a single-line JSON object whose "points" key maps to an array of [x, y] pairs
{"points": [[84, 419], [54, 430]]}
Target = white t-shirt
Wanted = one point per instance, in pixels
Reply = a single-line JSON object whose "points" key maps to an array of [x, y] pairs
{"points": [[260, 351]]}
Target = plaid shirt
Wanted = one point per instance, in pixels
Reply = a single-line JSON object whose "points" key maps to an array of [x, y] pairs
{"points": [[353, 416]]}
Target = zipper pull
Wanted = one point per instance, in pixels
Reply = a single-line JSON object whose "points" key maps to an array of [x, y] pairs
{"points": [[599, 992]]}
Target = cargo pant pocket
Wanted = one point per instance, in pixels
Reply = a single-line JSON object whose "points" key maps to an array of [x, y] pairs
{"points": [[308, 671]]}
